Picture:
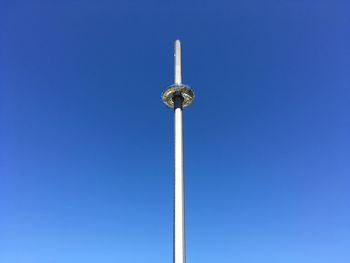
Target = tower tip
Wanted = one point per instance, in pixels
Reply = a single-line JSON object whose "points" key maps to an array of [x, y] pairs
{"points": [[177, 62], [177, 44]]}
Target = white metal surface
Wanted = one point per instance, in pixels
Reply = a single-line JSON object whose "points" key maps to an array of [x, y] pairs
{"points": [[177, 62], [179, 222], [179, 217]]}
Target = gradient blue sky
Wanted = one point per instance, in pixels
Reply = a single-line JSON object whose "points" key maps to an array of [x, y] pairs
{"points": [[86, 142]]}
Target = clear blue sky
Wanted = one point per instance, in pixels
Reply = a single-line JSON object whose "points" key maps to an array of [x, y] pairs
{"points": [[86, 142]]}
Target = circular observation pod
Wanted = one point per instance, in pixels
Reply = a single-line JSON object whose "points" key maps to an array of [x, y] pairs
{"points": [[185, 90]]}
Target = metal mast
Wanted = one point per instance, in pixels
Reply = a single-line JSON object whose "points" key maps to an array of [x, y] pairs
{"points": [[178, 96]]}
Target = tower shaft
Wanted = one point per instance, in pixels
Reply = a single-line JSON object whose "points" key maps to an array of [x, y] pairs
{"points": [[179, 215], [178, 96]]}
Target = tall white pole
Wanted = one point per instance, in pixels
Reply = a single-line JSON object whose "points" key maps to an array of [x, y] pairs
{"points": [[179, 224], [178, 96], [177, 63]]}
